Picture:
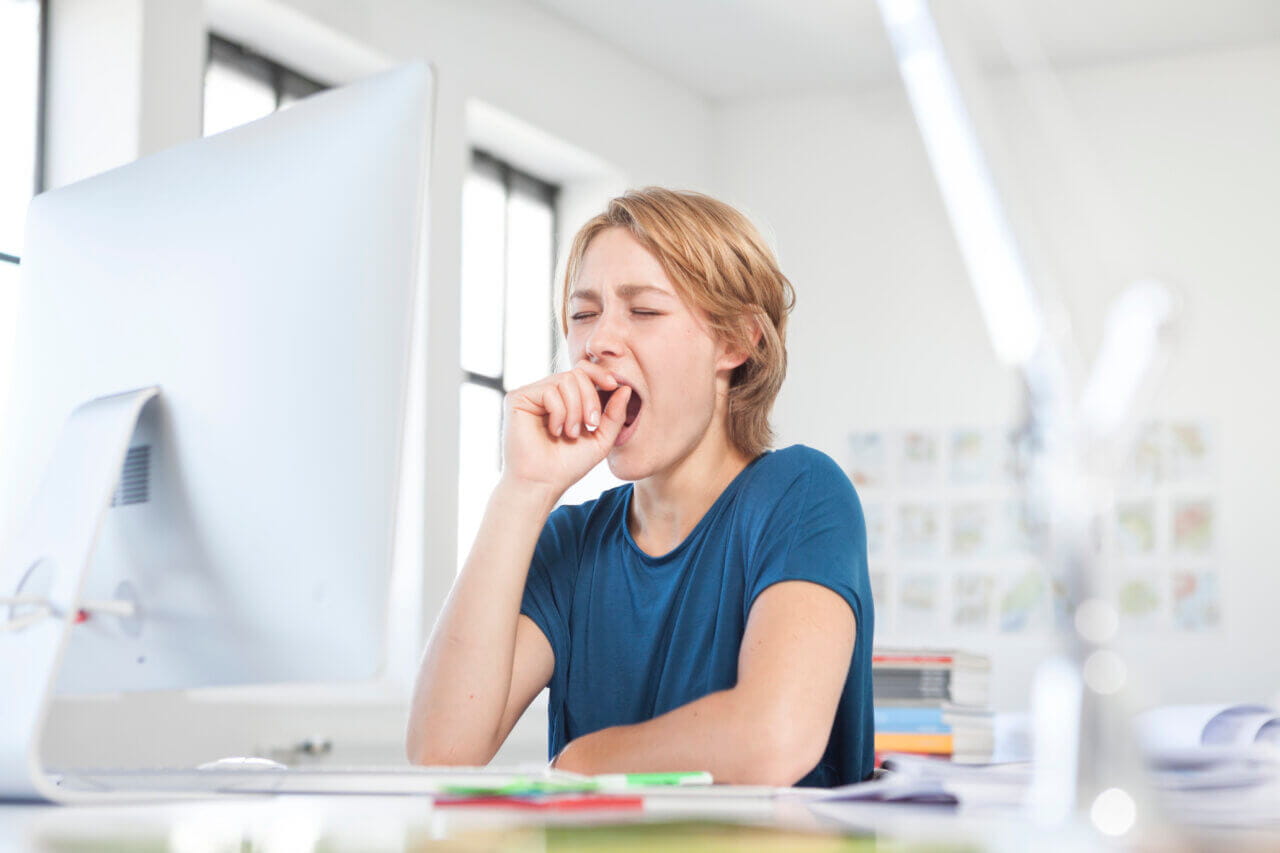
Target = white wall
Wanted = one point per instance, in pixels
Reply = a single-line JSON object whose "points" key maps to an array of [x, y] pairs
{"points": [[521, 81], [886, 333]]}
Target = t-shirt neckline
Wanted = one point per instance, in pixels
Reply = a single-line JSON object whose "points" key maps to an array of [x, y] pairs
{"points": [[712, 511]]}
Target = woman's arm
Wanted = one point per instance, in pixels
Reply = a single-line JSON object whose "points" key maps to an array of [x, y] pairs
{"points": [[484, 663], [773, 726]]}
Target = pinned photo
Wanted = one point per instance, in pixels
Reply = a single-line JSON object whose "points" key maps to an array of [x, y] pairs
{"points": [[974, 457], [1136, 528], [918, 602], [1195, 601], [1193, 522], [971, 601], [970, 530], [1022, 602], [918, 459], [1139, 599], [1146, 457], [868, 459], [918, 533], [1190, 452]]}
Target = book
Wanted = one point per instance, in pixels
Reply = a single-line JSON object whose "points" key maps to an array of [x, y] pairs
{"points": [[920, 744], [929, 676]]}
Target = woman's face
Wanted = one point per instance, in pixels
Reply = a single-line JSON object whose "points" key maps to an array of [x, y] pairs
{"points": [[625, 315]]}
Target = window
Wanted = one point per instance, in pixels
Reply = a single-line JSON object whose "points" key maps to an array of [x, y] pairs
{"points": [[508, 325], [240, 86], [22, 28], [21, 51]]}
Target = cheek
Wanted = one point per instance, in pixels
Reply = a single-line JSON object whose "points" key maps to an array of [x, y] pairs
{"points": [[575, 348]]}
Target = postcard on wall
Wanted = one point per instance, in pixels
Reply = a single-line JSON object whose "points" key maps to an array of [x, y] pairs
{"points": [[1146, 461], [1193, 526], [919, 459], [974, 457], [971, 530], [1196, 606], [918, 531], [868, 459], [1135, 529], [1018, 532], [1139, 596], [917, 602], [971, 600], [1190, 452], [1022, 602]]}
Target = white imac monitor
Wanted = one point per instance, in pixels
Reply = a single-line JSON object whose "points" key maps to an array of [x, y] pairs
{"points": [[264, 280]]}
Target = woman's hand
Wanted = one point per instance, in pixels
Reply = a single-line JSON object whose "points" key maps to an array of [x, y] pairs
{"points": [[556, 430]]}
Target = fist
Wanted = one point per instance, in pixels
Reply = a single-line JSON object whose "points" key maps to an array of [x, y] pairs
{"points": [[559, 428]]}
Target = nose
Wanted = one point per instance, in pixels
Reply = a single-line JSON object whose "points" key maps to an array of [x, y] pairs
{"points": [[607, 338]]}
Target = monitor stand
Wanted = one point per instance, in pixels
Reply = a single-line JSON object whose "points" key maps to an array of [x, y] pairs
{"points": [[48, 559]]}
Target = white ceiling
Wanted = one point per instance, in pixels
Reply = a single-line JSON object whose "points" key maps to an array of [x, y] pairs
{"points": [[732, 48]]}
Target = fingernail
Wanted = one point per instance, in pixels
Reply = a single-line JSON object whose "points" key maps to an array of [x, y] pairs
{"points": [[593, 420]]}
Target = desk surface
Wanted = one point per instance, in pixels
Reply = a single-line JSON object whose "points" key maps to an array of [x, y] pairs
{"points": [[382, 823]]}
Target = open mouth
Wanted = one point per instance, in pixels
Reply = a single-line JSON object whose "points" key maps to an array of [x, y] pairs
{"points": [[633, 405]]}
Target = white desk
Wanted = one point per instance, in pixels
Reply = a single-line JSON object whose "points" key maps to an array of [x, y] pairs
{"points": [[380, 823]]}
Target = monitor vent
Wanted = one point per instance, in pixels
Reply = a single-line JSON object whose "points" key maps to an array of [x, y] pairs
{"points": [[135, 480]]}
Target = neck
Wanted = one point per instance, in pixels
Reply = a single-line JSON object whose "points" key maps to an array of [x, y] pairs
{"points": [[667, 506]]}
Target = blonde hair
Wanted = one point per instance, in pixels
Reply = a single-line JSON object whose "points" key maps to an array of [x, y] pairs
{"points": [[719, 264]]}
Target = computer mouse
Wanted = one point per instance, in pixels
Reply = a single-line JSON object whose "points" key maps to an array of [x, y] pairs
{"points": [[243, 762]]}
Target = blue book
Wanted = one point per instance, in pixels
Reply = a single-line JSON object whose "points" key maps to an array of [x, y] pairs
{"points": [[911, 720]]}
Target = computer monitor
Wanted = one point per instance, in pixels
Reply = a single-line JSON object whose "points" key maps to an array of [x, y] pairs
{"points": [[265, 280]]}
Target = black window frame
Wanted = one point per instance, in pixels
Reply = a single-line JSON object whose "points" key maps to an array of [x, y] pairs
{"points": [[550, 194], [279, 78]]}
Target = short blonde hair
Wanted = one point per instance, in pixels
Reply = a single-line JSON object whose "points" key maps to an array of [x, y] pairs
{"points": [[719, 264]]}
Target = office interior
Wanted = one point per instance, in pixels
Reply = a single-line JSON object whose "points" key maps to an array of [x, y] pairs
{"points": [[1133, 141]]}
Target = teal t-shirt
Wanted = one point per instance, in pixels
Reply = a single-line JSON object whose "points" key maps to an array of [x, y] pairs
{"points": [[635, 636]]}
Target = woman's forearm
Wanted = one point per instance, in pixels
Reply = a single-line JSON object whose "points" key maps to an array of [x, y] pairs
{"points": [[465, 676], [725, 733]]}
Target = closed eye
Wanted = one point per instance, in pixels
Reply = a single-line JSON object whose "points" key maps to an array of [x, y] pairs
{"points": [[637, 312]]}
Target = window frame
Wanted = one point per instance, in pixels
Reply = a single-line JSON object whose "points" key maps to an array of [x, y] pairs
{"points": [[546, 192], [513, 181], [282, 80], [42, 90]]}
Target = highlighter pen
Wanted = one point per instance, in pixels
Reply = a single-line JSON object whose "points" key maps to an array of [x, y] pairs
{"points": [[621, 781]]}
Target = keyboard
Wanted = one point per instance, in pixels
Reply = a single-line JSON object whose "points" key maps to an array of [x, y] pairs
{"points": [[297, 780]]}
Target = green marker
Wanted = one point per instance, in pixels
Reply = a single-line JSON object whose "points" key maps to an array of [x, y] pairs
{"points": [[619, 781]]}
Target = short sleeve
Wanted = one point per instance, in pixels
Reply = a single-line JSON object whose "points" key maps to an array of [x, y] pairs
{"points": [[815, 532], [549, 589]]}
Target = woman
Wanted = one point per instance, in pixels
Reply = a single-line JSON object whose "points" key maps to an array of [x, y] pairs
{"points": [[713, 614]]}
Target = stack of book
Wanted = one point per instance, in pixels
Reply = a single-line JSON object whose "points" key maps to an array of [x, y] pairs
{"points": [[933, 702]]}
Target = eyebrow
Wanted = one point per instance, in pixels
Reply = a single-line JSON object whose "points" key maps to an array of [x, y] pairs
{"points": [[625, 291]]}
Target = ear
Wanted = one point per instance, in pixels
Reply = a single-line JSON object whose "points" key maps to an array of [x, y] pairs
{"points": [[733, 356]]}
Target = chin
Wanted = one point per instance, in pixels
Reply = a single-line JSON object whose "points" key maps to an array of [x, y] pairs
{"points": [[628, 469]]}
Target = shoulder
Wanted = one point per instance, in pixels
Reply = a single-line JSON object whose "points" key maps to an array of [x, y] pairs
{"points": [[799, 473]]}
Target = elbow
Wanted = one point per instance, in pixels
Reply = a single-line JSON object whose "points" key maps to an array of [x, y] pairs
{"points": [[428, 747], [782, 756]]}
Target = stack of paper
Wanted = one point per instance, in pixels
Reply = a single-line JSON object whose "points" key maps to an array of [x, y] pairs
{"points": [[1210, 765], [933, 702]]}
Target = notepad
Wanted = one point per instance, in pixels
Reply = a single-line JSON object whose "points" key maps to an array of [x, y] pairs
{"points": [[1180, 727]]}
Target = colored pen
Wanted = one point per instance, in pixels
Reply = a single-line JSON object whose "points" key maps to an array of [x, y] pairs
{"points": [[621, 781]]}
